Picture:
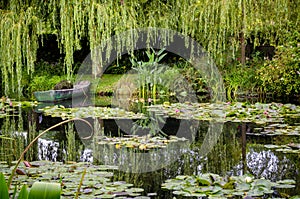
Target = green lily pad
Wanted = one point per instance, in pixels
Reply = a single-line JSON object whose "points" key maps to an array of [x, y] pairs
{"points": [[285, 186], [108, 196], [222, 187], [135, 190], [286, 181], [96, 183]]}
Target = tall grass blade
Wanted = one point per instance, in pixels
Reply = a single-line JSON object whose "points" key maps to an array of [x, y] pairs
{"points": [[23, 193], [3, 187]]}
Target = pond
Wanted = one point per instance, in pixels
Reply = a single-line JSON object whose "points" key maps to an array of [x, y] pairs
{"points": [[203, 145]]}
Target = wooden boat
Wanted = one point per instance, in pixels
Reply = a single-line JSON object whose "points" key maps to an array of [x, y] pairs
{"points": [[80, 89]]}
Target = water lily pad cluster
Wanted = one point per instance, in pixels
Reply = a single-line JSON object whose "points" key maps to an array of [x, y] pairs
{"points": [[286, 148], [96, 184], [236, 112], [143, 143], [215, 186], [278, 129], [85, 112], [9, 106]]}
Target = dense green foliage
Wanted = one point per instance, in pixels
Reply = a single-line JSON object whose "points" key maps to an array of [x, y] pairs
{"points": [[281, 75], [240, 78], [216, 24]]}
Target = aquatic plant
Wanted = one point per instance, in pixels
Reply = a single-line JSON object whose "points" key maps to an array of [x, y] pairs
{"points": [[215, 186], [85, 112], [11, 114], [102, 186], [139, 143], [33, 141], [259, 113], [11, 138], [271, 115], [78, 179], [39, 190], [148, 74], [285, 148]]}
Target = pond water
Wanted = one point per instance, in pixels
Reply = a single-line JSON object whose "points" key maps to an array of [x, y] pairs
{"points": [[226, 148]]}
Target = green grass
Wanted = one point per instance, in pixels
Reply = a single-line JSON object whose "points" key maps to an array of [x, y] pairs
{"points": [[107, 83], [103, 101]]}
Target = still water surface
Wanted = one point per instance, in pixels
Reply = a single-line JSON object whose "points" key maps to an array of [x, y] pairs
{"points": [[231, 155]]}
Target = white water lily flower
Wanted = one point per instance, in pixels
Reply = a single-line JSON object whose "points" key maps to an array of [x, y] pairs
{"points": [[248, 179]]}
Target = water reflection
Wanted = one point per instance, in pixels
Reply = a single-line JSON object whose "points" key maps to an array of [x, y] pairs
{"points": [[87, 156], [48, 150], [266, 164], [223, 158], [12, 137]]}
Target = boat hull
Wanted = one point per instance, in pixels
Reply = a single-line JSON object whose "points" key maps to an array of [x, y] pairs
{"points": [[80, 89]]}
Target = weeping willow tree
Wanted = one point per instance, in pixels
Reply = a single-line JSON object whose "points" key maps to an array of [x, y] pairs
{"points": [[220, 26]]}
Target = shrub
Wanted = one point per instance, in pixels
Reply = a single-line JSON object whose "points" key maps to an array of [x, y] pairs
{"points": [[281, 75], [42, 83], [239, 78]]}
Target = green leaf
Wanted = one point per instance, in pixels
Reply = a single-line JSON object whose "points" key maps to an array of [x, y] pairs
{"points": [[135, 190], [202, 182], [243, 187], [284, 186], [295, 197], [161, 57], [15, 192], [23, 193], [3, 187], [46, 190], [262, 183], [107, 196], [286, 181]]}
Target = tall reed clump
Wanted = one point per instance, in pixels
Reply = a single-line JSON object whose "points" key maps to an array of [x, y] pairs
{"points": [[149, 74]]}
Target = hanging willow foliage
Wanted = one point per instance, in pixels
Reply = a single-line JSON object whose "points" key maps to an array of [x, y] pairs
{"points": [[216, 24], [18, 47]]}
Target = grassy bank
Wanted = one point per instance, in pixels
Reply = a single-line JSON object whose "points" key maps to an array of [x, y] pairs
{"points": [[107, 83]]}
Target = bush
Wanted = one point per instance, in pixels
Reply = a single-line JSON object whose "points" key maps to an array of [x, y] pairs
{"points": [[281, 75], [240, 79], [42, 83]]}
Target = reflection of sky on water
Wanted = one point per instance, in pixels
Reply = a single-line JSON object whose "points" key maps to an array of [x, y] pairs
{"points": [[86, 155], [268, 165], [49, 150], [260, 163]]}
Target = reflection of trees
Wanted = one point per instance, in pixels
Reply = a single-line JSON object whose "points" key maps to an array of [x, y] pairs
{"points": [[226, 153], [221, 158], [267, 164], [12, 135]]}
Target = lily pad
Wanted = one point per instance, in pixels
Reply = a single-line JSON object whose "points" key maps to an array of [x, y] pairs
{"points": [[141, 143], [241, 185], [85, 112], [97, 180]]}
